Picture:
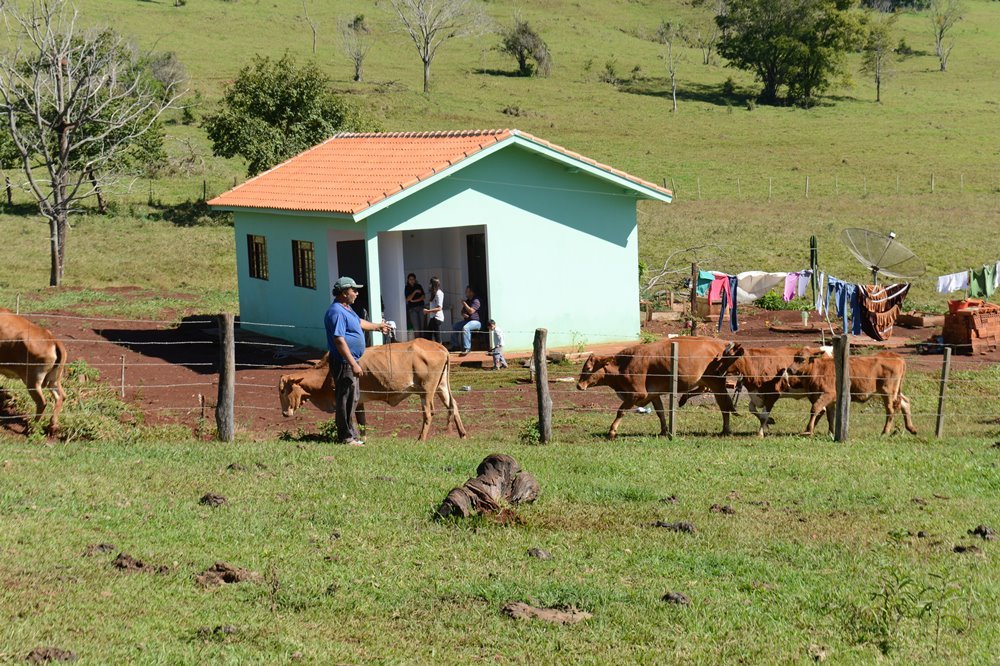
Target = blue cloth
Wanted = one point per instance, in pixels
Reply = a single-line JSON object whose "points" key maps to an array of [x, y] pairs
{"points": [[729, 294], [343, 322], [845, 299], [705, 279]]}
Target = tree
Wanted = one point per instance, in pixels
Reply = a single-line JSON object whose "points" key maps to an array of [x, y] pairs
{"points": [[794, 46], [356, 41], [524, 44], [669, 33], [878, 52], [276, 109], [313, 24], [705, 33], [74, 103], [943, 15], [431, 23]]}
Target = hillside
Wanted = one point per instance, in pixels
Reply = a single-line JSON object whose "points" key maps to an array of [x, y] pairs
{"points": [[867, 164]]}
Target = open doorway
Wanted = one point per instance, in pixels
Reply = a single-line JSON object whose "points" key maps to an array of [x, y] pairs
{"points": [[478, 272], [352, 262]]}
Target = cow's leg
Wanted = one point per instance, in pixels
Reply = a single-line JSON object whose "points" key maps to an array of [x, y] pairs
{"points": [[890, 412], [725, 403], [625, 407], [38, 395], [452, 406], [761, 406], [903, 405], [815, 409], [428, 415], [658, 406]]}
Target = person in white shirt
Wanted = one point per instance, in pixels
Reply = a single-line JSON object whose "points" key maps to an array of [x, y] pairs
{"points": [[435, 311], [497, 351]]}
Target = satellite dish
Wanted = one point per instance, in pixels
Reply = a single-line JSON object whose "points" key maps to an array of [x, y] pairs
{"points": [[881, 253]]}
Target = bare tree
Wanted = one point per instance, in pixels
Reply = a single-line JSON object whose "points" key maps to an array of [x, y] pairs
{"points": [[430, 23], [670, 34], [356, 41], [943, 15], [313, 25], [74, 102]]}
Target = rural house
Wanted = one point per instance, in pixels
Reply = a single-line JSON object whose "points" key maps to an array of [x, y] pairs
{"points": [[547, 237]]}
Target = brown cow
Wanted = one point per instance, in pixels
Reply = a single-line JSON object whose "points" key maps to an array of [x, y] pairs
{"points": [[393, 372], [640, 375], [30, 353], [762, 372], [882, 374]]}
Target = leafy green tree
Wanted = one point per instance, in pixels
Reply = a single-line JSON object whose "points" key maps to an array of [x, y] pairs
{"points": [[524, 44], [791, 46], [878, 52], [275, 109]]}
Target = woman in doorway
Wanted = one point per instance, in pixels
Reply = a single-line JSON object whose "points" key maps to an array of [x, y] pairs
{"points": [[413, 292], [435, 311]]}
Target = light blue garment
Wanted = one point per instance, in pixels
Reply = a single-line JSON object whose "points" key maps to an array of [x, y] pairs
{"points": [[845, 295]]}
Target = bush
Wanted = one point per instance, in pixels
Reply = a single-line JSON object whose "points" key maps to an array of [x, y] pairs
{"points": [[772, 300]]}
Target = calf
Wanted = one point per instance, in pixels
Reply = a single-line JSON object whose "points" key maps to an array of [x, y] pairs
{"points": [[30, 353], [641, 374], [880, 374]]}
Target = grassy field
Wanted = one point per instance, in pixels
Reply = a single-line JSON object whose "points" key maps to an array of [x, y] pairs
{"points": [[822, 555], [354, 569]]}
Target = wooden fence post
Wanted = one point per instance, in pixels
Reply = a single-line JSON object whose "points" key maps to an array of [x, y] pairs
{"points": [[945, 369], [542, 386], [807, 187], [672, 413], [123, 376], [770, 183], [227, 378], [842, 362], [17, 305]]}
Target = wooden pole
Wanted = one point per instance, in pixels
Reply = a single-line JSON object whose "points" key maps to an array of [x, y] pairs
{"points": [[10, 191], [739, 189], [542, 387], [204, 190], [227, 379], [672, 404], [945, 369], [842, 362], [694, 296], [17, 305], [932, 183], [673, 187], [807, 187], [770, 183], [123, 376]]}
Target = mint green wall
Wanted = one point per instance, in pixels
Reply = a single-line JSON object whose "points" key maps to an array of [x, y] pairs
{"points": [[562, 246], [562, 249], [277, 300]]}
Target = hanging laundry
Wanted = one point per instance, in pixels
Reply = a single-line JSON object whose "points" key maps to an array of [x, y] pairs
{"points": [[982, 282], [704, 280], [821, 294], [796, 285], [732, 283], [953, 282], [879, 307], [996, 276], [845, 298], [754, 284], [802, 288], [719, 284]]}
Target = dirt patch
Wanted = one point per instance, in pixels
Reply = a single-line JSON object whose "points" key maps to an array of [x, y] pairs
{"points": [[539, 553], [722, 508], [98, 549], [676, 598], [45, 655], [975, 550], [522, 611], [128, 564], [222, 573], [682, 526], [212, 499], [217, 633]]}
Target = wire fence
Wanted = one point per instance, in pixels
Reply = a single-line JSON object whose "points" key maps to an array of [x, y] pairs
{"points": [[181, 386]]}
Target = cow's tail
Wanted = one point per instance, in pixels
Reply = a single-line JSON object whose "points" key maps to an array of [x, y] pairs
{"points": [[903, 405]]}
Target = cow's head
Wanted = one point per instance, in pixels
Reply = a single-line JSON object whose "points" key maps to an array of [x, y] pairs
{"points": [[803, 365], [733, 352], [594, 371], [291, 393]]}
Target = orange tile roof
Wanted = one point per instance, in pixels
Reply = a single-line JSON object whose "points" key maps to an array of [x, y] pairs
{"points": [[350, 172]]}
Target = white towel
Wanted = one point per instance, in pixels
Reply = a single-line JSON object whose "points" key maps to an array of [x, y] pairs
{"points": [[954, 282], [754, 284], [996, 277]]}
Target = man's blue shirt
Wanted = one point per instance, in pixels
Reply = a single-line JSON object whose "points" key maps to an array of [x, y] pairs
{"points": [[341, 321]]}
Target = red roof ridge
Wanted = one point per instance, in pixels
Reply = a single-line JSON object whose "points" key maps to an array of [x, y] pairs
{"points": [[436, 134]]}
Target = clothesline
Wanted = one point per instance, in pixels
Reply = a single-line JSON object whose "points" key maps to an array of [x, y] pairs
{"points": [[976, 282]]}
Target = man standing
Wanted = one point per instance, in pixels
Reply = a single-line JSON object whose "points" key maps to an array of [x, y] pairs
{"points": [[470, 320], [345, 339]]}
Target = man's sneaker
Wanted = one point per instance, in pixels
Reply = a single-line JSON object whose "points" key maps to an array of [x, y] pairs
{"points": [[354, 442]]}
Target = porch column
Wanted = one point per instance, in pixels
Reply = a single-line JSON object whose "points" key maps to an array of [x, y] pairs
{"points": [[373, 285], [391, 271]]}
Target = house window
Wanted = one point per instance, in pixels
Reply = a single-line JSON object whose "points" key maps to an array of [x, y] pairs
{"points": [[257, 255], [304, 264]]}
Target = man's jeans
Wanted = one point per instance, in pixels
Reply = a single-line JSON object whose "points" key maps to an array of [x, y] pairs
{"points": [[467, 327]]}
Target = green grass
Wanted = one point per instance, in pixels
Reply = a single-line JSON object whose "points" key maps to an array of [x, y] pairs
{"points": [[357, 571]]}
